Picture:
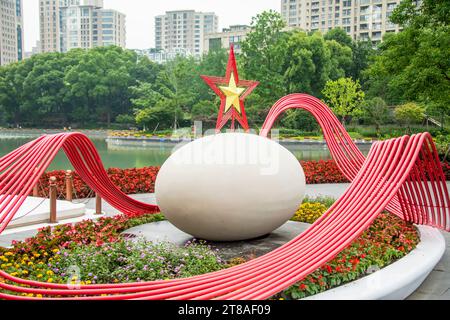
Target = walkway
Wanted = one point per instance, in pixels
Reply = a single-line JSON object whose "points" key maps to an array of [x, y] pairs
{"points": [[435, 287]]}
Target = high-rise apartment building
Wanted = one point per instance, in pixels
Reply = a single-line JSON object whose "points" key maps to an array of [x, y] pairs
{"points": [[361, 19], [184, 30], [11, 31], [81, 24], [49, 25], [234, 35]]}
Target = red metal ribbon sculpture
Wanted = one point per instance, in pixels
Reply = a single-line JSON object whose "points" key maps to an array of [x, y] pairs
{"points": [[401, 175]]}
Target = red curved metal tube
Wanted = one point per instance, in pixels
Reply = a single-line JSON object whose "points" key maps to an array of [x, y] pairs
{"points": [[401, 175]]}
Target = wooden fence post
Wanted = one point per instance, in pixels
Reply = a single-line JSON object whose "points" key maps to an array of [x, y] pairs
{"points": [[36, 190], [36, 187], [98, 204], [69, 185], [52, 193]]}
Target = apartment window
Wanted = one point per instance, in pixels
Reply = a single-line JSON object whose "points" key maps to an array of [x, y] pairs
{"points": [[391, 6]]}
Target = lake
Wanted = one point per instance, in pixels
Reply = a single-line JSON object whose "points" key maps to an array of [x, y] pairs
{"points": [[138, 157]]}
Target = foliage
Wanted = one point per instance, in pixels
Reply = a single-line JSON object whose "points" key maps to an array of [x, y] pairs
{"points": [[78, 87], [263, 54], [128, 261], [311, 61], [389, 238], [375, 111], [409, 113], [326, 201], [344, 97], [30, 259], [309, 212], [414, 65]]}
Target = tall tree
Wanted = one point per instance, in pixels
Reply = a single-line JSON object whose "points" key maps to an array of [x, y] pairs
{"points": [[345, 97], [414, 65], [263, 54]]}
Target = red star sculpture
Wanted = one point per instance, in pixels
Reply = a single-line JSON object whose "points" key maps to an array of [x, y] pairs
{"points": [[232, 92]]}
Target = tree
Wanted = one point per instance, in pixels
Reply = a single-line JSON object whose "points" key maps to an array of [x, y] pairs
{"points": [[414, 65], [263, 54], [375, 111], [344, 96], [409, 113], [311, 61], [362, 52], [340, 36], [160, 116]]}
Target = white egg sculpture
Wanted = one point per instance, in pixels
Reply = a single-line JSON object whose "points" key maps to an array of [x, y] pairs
{"points": [[230, 187]]}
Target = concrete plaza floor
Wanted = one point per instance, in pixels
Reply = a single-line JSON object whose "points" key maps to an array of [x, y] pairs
{"points": [[435, 287]]}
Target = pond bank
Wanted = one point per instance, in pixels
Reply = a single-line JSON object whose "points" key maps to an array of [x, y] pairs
{"points": [[142, 141]]}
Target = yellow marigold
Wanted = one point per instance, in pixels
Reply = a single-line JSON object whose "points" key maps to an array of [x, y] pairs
{"points": [[309, 212]]}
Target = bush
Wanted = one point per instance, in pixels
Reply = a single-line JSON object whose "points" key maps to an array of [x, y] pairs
{"points": [[326, 201]]}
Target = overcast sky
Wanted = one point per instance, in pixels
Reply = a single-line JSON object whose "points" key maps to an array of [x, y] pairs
{"points": [[141, 14]]}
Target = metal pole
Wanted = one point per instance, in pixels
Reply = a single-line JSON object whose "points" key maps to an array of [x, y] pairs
{"points": [[52, 192]]}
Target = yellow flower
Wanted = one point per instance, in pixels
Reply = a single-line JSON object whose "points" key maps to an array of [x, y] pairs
{"points": [[49, 272], [30, 263], [39, 275], [55, 250], [50, 280], [39, 296], [24, 272]]}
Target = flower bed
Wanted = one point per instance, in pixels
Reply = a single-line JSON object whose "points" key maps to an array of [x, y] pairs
{"points": [[102, 255], [323, 171], [446, 168], [129, 181], [388, 239], [142, 180]]}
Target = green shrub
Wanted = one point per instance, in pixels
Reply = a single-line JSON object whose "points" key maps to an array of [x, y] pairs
{"points": [[326, 201]]}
